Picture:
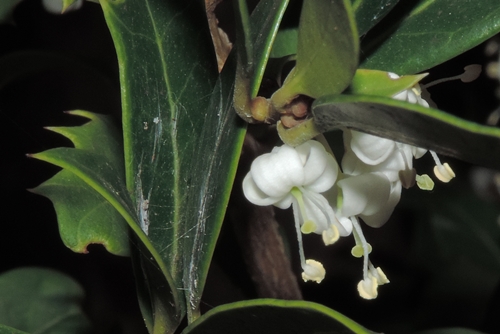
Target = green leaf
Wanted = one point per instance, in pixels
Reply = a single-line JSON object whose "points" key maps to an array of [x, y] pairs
{"points": [[87, 193], [213, 167], [182, 141], [370, 12], [6, 9], [84, 216], [373, 82], [264, 24], [285, 43], [97, 161], [66, 4], [432, 32], [367, 13], [254, 39], [406, 122], [327, 54], [270, 316], [10, 330], [37, 300]]}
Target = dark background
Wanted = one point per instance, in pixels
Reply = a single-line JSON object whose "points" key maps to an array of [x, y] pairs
{"points": [[416, 299]]}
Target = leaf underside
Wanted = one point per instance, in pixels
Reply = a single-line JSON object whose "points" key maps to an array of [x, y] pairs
{"points": [[406, 122]]}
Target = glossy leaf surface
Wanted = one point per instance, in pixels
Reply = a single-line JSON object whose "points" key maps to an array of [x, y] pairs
{"points": [[406, 122], [270, 316], [85, 214], [96, 165], [369, 12], [182, 138], [435, 30], [37, 300]]}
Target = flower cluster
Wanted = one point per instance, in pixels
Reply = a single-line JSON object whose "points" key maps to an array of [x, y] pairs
{"points": [[328, 200]]}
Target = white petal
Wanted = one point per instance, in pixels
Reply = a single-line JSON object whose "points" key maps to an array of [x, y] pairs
{"points": [[380, 218], [370, 149], [364, 194], [327, 179], [314, 159], [257, 196], [276, 173]]}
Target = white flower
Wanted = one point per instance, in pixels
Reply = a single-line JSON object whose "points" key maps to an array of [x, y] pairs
{"points": [[298, 175]]}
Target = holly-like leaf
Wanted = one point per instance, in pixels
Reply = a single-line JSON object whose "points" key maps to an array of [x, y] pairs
{"points": [[96, 164], [84, 216], [36, 300], [429, 32], [270, 316], [327, 51], [405, 122], [87, 193]]}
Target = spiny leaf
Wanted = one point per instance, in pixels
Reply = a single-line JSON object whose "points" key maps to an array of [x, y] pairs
{"points": [[84, 215]]}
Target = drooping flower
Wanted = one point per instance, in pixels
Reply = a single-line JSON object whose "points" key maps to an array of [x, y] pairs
{"points": [[298, 176]]}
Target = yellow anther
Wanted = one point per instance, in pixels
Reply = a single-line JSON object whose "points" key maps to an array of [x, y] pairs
{"points": [[444, 172], [308, 227], [331, 235], [379, 275], [357, 251], [424, 182], [313, 271], [367, 288]]}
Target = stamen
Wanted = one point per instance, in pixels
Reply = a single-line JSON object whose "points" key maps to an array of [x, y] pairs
{"points": [[424, 182], [443, 172], [367, 288], [357, 231], [313, 271], [471, 73], [300, 201], [378, 274], [331, 235], [295, 206]]}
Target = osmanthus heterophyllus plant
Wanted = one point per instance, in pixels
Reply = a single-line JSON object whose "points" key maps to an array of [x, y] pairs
{"points": [[160, 191]]}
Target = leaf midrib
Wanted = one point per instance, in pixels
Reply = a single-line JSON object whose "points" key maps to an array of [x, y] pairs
{"points": [[174, 143]]}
